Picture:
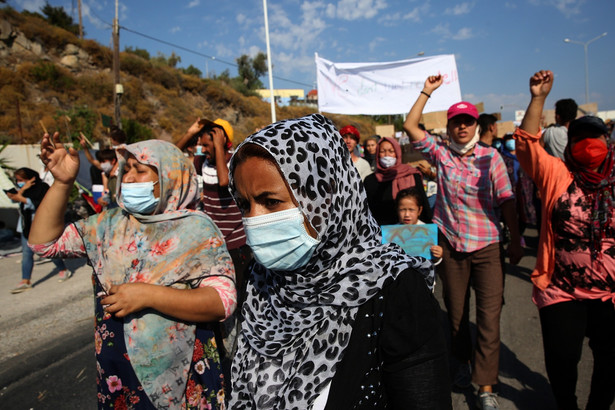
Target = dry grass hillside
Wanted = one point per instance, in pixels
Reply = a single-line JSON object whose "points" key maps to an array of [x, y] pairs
{"points": [[47, 74]]}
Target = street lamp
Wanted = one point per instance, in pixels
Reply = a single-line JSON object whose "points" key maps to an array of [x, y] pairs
{"points": [[567, 40]]}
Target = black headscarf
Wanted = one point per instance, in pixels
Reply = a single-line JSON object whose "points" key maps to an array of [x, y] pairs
{"points": [[35, 194]]}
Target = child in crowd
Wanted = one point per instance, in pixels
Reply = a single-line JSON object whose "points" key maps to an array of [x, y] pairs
{"points": [[409, 210]]}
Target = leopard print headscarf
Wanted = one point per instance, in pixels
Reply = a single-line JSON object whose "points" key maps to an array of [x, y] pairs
{"points": [[297, 324]]}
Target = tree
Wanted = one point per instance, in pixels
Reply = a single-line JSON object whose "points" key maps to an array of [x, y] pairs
{"points": [[141, 52], [173, 59], [251, 69], [170, 61], [192, 70], [58, 17]]}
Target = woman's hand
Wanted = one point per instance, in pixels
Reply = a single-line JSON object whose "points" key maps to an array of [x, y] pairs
{"points": [[27, 185], [63, 164], [127, 298], [18, 197], [432, 83], [193, 305], [541, 83], [436, 251]]}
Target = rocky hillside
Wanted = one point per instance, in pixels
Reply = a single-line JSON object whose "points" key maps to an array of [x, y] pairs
{"points": [[49, 75]]}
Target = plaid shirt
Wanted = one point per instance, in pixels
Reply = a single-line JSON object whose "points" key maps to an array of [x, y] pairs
{"points": [[470, 189]]}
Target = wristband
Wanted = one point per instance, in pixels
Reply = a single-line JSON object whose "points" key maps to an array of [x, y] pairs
{"points": [[428, 95]]}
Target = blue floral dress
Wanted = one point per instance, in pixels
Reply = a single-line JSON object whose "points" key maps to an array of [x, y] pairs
{"points": [[117, 384]]}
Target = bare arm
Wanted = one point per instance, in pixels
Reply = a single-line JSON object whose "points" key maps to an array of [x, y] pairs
{"points": [[220, 152], [88, 154], [18, 197], [411, 125], [509, 214], [193, 305], [48, 223], [194, 128], [540, 86]]}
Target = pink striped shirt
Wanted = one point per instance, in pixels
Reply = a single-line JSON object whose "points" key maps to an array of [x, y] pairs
{"points": [[470, 190]]}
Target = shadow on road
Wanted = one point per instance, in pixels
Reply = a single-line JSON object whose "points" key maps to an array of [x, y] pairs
{"points": [[71, 264], [536, 390]]}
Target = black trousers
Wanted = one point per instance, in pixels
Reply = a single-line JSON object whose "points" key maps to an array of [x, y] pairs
{"points": [[564, 326]]}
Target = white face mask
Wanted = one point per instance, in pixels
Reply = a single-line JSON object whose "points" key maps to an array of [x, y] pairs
{"points": [[387, 162], [463, 148], [106, 167]]}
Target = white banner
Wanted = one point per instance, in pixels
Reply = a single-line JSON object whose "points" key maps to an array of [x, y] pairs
{"points": [[385, 88]]}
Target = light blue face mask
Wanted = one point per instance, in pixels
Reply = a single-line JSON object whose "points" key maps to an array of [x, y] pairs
{"points": [[199, 151], [509, 145], [21, 184], [138, 197], [279, 240]]}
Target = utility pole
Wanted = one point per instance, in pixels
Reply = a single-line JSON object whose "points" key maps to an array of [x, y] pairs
{"points": [[118, 90], [80, 20], [269, 64], [19, 121]]}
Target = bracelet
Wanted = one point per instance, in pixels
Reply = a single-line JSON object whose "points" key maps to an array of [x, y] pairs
{"points": [[428, 96]]}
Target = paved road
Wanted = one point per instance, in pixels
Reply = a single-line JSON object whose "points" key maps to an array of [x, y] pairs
{"points": [[47, 356]]}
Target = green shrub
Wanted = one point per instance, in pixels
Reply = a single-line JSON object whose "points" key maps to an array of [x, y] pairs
{"points": [[101, 56], [55, 77], [135, 65], [141, 52], [82, 119], [135, 132]]}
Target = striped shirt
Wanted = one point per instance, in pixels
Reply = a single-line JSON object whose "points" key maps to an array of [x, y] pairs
{"points": [[221, 208], [470, 190]]}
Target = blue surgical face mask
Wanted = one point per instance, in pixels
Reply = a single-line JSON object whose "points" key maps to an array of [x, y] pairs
{"points": [[138, 197], [509, 145], [199, 150], [279, 240], [21, 184], [387, 162]]}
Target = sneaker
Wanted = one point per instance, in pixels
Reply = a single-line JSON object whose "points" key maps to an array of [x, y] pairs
{"points": [[22, 287], [487, 401], [463, 377], [64, 275]]}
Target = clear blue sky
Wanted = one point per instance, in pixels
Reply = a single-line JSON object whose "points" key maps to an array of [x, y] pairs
{"points": [[498, 45]]}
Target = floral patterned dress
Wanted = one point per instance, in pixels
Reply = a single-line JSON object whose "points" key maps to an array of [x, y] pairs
{"points": [[148, 359], [117, 384], [576, 271]]}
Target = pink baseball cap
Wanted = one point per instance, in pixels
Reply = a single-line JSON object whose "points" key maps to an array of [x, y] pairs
{"points": [[462, 107]]}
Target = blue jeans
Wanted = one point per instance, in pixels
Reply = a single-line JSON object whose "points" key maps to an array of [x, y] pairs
{"points": [[27, 260]]}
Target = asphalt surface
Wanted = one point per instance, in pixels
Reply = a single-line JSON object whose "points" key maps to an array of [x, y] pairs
{"points": [[47, 351]]}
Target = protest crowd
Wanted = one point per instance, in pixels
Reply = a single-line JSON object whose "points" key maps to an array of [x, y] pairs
{"points": [[256, 276]]}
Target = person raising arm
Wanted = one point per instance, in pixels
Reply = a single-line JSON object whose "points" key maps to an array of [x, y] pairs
{"points": [[472, 184], [150, 287]]}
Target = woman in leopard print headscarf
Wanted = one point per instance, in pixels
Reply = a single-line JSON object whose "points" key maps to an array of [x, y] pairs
{"points": [[332, 317]]}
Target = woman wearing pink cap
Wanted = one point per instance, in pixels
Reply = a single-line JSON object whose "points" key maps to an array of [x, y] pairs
{"points": [[472, 184]]}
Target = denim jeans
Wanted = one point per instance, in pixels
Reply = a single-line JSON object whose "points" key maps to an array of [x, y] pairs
{"points": [[27, 260]]}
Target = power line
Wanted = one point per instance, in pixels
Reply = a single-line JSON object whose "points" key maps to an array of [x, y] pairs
{"points": [[201, 54], [178, 46], [212, 58]]}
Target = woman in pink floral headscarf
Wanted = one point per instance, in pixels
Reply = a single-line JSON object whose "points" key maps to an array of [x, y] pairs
{"points": [[161, 274]]}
